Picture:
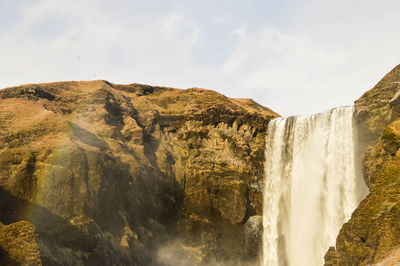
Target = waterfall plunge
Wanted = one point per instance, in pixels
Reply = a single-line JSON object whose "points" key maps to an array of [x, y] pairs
{"points": [[310, 186]]}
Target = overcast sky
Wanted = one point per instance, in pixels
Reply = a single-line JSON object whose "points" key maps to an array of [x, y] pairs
{"points": [[294, 56]]}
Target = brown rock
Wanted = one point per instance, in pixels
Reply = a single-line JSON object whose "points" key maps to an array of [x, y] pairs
{"points": [[111, 174], [376, 108], [372, 233], [19, 244]]}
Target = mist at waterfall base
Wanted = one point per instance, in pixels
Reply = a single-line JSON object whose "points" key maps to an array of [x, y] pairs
{"points": [[312, 185]]}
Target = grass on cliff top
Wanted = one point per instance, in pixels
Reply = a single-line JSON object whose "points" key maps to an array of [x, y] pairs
{"points": [[175, 101], [163, 99]]}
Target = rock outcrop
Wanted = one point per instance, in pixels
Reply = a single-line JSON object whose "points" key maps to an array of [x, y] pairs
{"points": [[372, 234], [378, 107], [94, 172]]}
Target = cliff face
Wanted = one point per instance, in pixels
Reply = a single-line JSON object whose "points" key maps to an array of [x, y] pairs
{"points": [[378, 107], [94, 172], [372, 233]]}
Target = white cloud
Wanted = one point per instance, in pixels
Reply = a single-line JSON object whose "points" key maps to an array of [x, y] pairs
{"points": [[325, 54]]}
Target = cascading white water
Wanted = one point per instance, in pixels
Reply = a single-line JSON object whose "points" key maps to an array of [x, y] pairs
{"points": [[310, 186]]}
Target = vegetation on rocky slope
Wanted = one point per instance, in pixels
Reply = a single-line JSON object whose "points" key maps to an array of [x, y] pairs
{"points": [[372, 233], [94, 172]]}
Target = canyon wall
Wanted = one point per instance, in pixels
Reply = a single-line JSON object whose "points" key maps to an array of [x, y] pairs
{"points": [[94, 172]]}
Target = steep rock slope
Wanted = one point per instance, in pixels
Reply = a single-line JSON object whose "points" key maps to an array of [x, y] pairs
{"points": [[94, 172], [372, 233]]}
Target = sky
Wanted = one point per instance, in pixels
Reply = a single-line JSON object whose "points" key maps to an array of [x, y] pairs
{"points": [[293, 56]]}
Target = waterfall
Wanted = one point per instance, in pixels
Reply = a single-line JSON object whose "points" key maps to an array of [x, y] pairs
{"points": [[310, 186]]}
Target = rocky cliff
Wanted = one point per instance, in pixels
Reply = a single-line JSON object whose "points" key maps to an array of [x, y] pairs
{"points": [[94, 172], [372, 235]]}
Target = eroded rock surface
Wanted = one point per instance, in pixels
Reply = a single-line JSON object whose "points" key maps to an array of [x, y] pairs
{"points": [[371, 236], [116, 174], [19, 244]]}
